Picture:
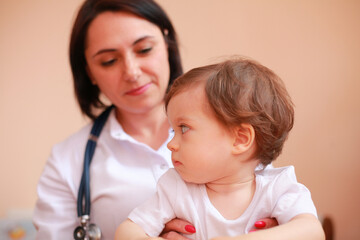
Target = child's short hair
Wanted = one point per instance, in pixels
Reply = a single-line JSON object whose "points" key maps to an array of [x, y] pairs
{"points": [[243, 91]]}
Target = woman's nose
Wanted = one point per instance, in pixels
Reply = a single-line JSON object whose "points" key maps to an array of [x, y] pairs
{"points": [[131, 70]]}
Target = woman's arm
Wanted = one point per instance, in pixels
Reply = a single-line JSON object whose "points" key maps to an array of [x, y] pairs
{"points": [[129, 230], [303, 226], [55, 210], [175, 227]]}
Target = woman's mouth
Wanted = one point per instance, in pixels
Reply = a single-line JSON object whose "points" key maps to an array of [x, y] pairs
{"points": [[139, 90]]}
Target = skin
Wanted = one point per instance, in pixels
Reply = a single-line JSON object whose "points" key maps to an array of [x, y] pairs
{"points": [[195, 125], [128, 60]]}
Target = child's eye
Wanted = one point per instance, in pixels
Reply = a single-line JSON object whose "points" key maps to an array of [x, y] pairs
{"points": [[184, 129]]}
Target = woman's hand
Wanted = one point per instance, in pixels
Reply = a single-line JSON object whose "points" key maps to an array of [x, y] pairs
{"points": [[176, 226], [261, 224], [302, 226], [265, 223]]}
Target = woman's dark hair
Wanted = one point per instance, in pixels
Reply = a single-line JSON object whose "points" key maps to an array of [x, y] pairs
{"points": [[88, 94]]}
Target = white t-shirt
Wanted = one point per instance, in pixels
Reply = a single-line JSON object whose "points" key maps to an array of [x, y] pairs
{"points": [[123, 174], [278, 195]]}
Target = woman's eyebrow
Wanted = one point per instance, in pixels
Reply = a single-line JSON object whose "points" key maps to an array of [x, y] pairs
{"points": [[103, 51], [113, 49], [142, 39]]}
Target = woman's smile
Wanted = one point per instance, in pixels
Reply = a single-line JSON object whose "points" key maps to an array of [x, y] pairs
{"points": [[139, 90]]}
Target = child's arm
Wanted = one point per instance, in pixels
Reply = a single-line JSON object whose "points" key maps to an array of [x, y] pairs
{"points": [[303, 226], [129, 230]]}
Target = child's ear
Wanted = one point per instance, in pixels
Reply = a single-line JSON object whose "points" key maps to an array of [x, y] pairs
{"points": [[244, 137]]}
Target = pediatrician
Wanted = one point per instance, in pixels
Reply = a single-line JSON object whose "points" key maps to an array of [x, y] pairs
{"points": [[127, 51]]}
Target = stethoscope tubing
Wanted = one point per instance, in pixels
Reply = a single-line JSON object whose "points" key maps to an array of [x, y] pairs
{"points": [[84, 188]]}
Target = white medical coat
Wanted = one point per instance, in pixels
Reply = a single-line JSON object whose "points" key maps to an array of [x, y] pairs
{"points": [[123, 173]]}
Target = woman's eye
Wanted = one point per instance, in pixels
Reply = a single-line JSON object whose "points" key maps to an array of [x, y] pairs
{"points": [[184, 129], [108, 63], [145, 50]]}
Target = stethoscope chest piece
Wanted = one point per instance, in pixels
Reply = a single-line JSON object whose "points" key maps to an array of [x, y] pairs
{"points": [[87, 231], [79, 233], [94, 232]]}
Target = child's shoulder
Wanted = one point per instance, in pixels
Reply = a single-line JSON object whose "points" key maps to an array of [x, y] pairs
{"points": [[271, 174], [171, 173], [170, 177]]}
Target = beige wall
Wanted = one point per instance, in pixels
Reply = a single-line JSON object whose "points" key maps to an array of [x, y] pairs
{"points": [[313, 45]]}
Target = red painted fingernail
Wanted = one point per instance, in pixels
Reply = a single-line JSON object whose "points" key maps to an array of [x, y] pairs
{"points": [[190, 229], [260, 224], [254, 230]]}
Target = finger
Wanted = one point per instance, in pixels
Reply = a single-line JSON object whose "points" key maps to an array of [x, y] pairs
{"points": [[180, 226], [173, 236], [266, 223]]}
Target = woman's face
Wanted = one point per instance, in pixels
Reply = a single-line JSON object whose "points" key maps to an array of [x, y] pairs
{"points": [[127, 58]]}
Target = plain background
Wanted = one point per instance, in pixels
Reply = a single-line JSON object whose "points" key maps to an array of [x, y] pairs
{"points": [[313, 45]]}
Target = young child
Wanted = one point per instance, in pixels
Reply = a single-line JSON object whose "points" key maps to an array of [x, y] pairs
{"points": [[230, 121]]}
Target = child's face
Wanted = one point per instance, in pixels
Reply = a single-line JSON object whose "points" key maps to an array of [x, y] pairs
{"points": [[201, 148]]}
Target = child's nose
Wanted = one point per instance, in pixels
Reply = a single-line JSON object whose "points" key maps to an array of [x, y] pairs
{"points": [[172, 145]]}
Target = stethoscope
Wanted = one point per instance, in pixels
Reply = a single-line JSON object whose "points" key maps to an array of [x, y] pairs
{"points": [[87, 230]]}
